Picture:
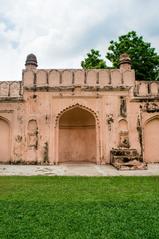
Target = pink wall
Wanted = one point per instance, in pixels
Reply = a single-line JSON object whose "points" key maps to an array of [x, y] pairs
{"points": [[77, 144]]}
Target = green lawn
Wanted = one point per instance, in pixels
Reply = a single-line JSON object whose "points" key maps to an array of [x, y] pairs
{"points": [[79, 207]]}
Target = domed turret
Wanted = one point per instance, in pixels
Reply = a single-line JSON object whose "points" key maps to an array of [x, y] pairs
{"points": [[31, 61], [125, 62]]}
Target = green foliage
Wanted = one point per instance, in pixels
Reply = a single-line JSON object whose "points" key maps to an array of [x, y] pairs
{"points": [[93, 61], [79, 207], [144, 59]]}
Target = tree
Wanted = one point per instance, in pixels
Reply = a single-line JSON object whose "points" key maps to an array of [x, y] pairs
{"points": [[93, 61], [144, 59]]}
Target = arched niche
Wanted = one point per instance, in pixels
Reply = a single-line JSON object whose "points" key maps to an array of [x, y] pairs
{"points": [[151, 140], [77, 136], [5, 140], [123, 125]]}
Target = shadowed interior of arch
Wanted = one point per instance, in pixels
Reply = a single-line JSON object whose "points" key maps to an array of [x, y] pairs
{"points": [[77, 136]]}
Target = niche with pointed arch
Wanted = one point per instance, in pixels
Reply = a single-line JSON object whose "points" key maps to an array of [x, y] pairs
{"points": [[151, 141], [77, 136], [5, 141]]}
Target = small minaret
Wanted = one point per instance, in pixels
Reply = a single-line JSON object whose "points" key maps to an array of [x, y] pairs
{"points": [[31, 62], [125, 62]]}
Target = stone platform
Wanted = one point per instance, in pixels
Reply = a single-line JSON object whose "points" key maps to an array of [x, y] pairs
{"points": [[71, 169]]}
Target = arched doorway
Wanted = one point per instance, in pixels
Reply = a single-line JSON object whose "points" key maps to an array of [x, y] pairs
{"points": [[5, 142], [77, 136], [151, 141]]}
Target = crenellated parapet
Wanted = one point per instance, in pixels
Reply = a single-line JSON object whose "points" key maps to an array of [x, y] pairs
{"points": [[146, 89], [10, 89], [34, 79], [54, 79]]}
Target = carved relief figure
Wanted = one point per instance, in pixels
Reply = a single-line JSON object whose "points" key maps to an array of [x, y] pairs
{"points": [[32, 134], [123, 134], [150, 107], [124, 139], [110, 120], [19, 148], [122, 106]]}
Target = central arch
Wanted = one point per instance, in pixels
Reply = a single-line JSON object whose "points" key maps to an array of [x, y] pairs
{"points": [[77, 136]]}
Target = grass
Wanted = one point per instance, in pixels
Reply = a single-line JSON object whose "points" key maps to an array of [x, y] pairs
{"points": [[79, 207]]}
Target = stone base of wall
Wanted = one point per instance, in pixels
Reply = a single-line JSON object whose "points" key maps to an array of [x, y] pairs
{"points": [[127, 159]]}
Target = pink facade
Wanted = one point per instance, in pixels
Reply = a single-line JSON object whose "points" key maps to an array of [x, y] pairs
{"points": [[54, 116]]}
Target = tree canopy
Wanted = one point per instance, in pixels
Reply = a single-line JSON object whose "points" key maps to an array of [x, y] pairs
{"points": [[93, 61], [144, 58]]}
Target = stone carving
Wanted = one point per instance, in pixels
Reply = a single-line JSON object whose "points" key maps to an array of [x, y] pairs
{"points": [[32, 134], [150, 107], [109, 119], [123, 106], [123, 134], [32, 141], [139, 129], [124, 139], [127, 159], [33, 103], [45, 154], [18, 149]]}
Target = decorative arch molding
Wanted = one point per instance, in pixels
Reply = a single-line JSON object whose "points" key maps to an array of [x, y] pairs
{"points": [[6, 120], [56, 132], [123, 124], [150, 119], [77, 105]]}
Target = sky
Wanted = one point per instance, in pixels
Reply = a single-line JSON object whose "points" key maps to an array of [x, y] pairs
{"points": [[61, 32]]}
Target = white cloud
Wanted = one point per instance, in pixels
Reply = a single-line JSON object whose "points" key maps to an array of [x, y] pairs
{"points": [[61, 32]]}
